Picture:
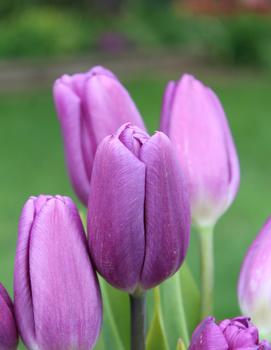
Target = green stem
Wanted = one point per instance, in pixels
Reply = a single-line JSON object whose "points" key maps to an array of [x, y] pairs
{"points": [[207, 270], [138, 321]]}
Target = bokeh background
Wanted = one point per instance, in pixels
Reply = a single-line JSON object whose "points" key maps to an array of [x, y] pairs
{"points": [[227, 44]]}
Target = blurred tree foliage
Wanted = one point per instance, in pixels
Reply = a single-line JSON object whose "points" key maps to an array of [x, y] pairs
{"points": [[8, 7], [31, 28]]}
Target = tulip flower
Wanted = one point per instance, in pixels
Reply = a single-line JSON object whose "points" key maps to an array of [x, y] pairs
{"points": [[90, 106], [138, 212], [193, 118], [56, 293], [235, 334], [254, 288], [8, 328]]}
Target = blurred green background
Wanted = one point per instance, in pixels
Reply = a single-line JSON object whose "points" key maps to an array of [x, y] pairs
{"points": [[146, 43]]}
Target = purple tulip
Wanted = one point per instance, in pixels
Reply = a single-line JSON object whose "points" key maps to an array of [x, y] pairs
{"points": [[193, 118], [138, 213], [8, 328], [254, 289], [56, 293], [235, 334], [90, 106]]}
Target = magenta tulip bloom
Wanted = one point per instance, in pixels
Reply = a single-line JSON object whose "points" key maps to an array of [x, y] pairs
{"points": [[254, 289], [90, 106], [235, 334], [8, 328], [56, 293], [193, 118], [138, 212]]}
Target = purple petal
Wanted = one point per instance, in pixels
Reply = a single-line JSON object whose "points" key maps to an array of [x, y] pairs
{"points": [[208, 336], [197, 126], [8, 328], [168, 99], [234, 167], [167, 216], [5, 297], [108, 105], [236, 338], [79, 151], [22, 284], [116, 214], [264, 345], [254, 288]]}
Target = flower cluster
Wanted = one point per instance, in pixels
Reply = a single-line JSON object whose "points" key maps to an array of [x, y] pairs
{"points": [[141, 194]]}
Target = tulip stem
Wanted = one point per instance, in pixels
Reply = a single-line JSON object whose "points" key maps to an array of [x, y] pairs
{"points": [[207, 270], [138, 321]]}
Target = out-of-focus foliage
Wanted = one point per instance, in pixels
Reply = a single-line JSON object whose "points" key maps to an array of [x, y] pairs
{"points": [[43, 32], [55, 30]]}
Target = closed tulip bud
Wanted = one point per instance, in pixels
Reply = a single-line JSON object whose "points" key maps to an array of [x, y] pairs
{"points": [[138, 212], [8, 328], [235, 334], [90, 106], [254, 288], [193, 118], [56, 293]]}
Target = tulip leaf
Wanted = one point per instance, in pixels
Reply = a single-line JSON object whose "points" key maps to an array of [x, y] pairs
{"points": [[111, 337], [100, 344], [180, 300], [156, 338], [180, 345], [191, 297]]}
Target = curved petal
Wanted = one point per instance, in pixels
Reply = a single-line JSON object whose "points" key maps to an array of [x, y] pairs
{"points": [[208, 336], [233, 162], [116, 214], [167, 215], [69, 110], [108, 105], [166, 106], [264, 345], [8, 328], [254, 287], [22, 284], [65, 294], [5, 297]]}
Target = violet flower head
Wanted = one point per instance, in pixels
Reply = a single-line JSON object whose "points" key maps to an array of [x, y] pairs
{"points": [[56, 293], [8, 328], [138, 212], [90, 106], [231, 334], [254, 288], [193, 118]]}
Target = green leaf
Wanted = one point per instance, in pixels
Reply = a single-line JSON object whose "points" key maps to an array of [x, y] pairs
{"points": [[180, 300], [191, 297], [156, 338], [115, 316], [180, 345]]}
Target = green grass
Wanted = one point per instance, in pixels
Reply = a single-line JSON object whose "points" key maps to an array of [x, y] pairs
{"points": [[32, 162]]}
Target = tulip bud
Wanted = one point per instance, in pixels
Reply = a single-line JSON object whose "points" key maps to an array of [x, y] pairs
{"points": [[193, 118], [90, 106], [235, 334], [254, 288], [56, 293], [8, 328], [138, 212]]}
